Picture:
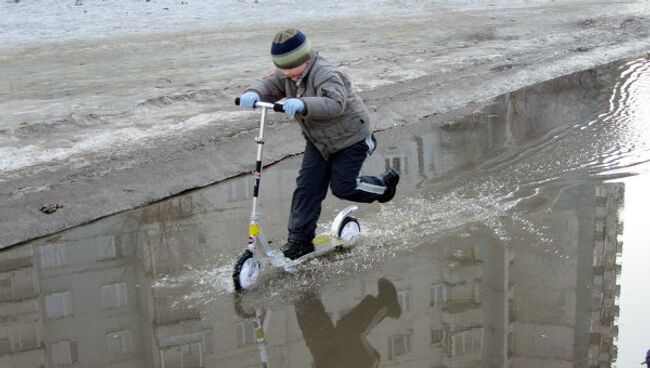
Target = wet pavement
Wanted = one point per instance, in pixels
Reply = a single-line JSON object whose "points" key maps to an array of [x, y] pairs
{"points": [[516, 240], [98, 124]]}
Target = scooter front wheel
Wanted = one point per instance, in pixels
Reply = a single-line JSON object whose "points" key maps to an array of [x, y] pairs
{"points": [[246, 272]]}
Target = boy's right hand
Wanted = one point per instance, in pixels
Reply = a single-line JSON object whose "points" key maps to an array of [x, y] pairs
{"points": [[249, 99]]}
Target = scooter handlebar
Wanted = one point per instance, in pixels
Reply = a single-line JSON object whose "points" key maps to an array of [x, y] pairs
{"points": [[276, 106]]}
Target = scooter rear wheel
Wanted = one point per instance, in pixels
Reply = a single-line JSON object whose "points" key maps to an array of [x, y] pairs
{"points": [[247, 270], [350, 229]]}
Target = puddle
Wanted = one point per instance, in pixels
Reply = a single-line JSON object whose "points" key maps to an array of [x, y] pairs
{"points": [[515, 240]]}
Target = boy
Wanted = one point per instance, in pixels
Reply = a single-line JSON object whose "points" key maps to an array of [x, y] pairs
{"points": [[336, 125]]}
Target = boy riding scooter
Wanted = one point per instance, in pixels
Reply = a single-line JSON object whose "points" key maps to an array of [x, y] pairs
{"points": [[336, 126]]}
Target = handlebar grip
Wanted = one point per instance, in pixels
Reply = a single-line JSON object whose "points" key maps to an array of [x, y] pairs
{"points": [[267, 105], [278, 107]]}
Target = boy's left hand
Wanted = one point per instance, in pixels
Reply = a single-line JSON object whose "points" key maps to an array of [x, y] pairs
{"points": [[293, 106]]}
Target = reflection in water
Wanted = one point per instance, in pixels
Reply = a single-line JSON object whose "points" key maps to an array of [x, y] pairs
{"points": [[344, 344], [260, 324], [502, 251], [340, 344]]}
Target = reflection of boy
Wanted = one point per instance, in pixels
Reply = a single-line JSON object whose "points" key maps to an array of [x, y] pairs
{"points": [[336, 124], [345, 345]]}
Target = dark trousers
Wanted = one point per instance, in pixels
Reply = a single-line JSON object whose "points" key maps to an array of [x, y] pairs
{"points": [[342, 344], [340, 172]]}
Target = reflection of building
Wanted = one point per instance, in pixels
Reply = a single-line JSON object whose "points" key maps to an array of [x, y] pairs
{"points": [[477, 301], [93, 296], [181, 337], [21, 322], [90, 310], [607, 249], [442, 321], [563, 306], [70, 300], [165, 232]]}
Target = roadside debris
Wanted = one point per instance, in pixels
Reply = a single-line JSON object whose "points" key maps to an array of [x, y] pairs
{"points": [[50, 208]]}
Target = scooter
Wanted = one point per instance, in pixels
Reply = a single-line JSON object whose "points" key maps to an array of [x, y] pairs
{"points": [[343, 232]]}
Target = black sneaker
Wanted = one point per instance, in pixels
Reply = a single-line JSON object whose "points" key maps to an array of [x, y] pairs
{"points": [[388, 295], [390, 179], [293, 250]]}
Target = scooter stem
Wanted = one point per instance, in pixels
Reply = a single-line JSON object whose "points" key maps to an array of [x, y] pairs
{"points": [[255, 234], [257, 174]]}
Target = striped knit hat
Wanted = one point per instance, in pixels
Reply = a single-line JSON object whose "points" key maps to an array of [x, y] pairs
{"points": [[290, 48]]}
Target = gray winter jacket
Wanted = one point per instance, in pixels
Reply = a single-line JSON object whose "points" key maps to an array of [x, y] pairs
{"points": [[334, 117]]}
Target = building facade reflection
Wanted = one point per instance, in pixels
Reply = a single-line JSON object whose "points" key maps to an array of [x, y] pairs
{"points": [[121, 291]]}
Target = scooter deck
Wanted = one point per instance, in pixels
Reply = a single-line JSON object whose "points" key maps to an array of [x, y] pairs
{"points": [[323, 244], [325, 240]]}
